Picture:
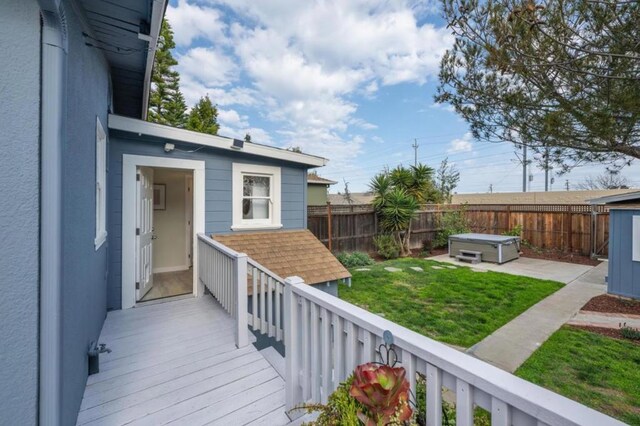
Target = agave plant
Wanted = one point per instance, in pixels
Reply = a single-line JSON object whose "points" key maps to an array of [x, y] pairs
{"points": [[384, 391]]}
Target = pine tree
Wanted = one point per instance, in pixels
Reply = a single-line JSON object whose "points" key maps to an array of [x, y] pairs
{"points": [[203, 117], [166, 102]]}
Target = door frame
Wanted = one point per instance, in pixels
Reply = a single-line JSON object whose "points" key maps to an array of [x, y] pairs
{"points": [[130, 164]]}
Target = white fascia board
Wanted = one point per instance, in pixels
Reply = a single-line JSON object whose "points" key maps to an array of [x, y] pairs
{"points": [[126, 124], [158, 8]]}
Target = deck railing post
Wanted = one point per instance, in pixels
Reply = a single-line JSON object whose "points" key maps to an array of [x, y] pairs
{"points": [[240, 288], [291, 344]]}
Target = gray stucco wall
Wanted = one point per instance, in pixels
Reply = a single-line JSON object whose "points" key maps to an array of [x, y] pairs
{"points": [[84, 290], [19, 210], [218, 176], [624, 273]]}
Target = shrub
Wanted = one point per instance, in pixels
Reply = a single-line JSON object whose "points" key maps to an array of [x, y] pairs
{"points": [[516, 231], [629, 332], [451, 223], [355, 259], [387, 246]]}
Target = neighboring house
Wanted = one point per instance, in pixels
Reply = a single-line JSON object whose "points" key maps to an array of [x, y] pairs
{"points": [[538, 197], [317, 189], [624, 243], [97, 203]]}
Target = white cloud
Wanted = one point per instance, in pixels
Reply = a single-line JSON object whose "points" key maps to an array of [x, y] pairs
{"points": [[190, 22], [463, 144], [301, 65]]}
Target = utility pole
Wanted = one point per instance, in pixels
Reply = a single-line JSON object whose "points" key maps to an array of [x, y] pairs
{"points": [[566, 184], [546, 169], [415, 152], [524, 168], [490, 188]]}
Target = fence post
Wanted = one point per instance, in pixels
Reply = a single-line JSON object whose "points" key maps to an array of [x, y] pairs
{"points": [[292, 345], [570, 229], [242, 330], [508, 217], [329, 231]]}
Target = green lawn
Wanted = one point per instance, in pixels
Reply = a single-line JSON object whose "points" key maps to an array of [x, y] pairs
{"points": [[456, 306], [595, 370]]}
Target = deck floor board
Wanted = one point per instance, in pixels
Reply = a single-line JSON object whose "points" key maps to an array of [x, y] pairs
{"points": [[177, 363]]}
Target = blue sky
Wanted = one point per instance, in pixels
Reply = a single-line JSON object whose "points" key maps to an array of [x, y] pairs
{"points": [[352, 81]]}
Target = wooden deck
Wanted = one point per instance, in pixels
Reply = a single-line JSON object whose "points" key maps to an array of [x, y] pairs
{"points": [[176, 363]]}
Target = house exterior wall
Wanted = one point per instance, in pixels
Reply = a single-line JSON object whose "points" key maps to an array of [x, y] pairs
{"points": [[624, 273], [218, 204], [19, 210], [84, 269], [317, 195]]}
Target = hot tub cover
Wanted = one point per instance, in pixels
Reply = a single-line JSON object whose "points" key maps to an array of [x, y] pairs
{"points": [[488, 238]]}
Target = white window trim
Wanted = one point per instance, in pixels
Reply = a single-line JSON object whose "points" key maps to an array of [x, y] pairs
{"points": [[635, 238], [101, 183], [240, 169]]}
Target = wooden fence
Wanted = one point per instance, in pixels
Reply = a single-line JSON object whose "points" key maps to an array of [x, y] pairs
{"points": [[577, 228]]}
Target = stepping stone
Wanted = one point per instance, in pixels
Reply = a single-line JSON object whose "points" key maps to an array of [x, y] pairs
{"points": [[437, 267], [478, 270], [451, 267], [417, 269], [363, 269], [392, 269]]}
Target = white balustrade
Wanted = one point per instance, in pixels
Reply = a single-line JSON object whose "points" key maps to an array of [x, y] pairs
{"points": [[326, 338], [267, 290], [223, 272]]}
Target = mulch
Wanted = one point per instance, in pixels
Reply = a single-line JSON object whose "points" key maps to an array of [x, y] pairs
{"points": [[612, 304], [609, 332], [559, 256]]}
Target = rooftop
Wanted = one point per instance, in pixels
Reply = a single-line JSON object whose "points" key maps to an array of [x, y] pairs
{"points": [[538, 197], [288, 253], [313, 178]]}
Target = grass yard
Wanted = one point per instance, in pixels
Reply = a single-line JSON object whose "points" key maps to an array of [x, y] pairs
{"points": [[595, 370], [455, 306]]}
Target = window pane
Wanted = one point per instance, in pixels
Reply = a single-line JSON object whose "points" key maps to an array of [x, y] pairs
{"points": [[257, 186], [255, 209]]}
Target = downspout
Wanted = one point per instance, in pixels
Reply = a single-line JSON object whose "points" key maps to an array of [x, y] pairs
{"points": [[51, 125]]}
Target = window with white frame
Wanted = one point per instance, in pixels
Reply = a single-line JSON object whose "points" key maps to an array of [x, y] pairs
{"points": [[256, 197], [101, 185]]}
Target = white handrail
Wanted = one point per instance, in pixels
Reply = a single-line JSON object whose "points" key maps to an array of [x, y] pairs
{"points": [[223, 272], [326, 338]]}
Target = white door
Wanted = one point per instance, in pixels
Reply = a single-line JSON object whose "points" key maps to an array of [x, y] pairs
{"points": [[144, 232]]}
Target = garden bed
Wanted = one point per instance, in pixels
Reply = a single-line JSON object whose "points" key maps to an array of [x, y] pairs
{"points": [[612, 304], [614, 333], [558, 256], [457, 306]]}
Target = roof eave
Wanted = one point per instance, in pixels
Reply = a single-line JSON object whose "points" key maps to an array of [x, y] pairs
{"points": [[132, 125], [616, 198], [157, 14]]}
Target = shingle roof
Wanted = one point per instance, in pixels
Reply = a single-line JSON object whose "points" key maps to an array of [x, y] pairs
{"points": [[288, 253], [317, 180]]}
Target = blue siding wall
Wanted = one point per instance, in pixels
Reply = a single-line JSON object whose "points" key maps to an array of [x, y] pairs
{"points": [[84, 268], [624, 273], [19, 210], [218, 175]]}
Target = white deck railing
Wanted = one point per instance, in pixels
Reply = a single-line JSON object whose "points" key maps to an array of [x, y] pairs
{"points": [[266, 301], [223, 272], [326, 338]]}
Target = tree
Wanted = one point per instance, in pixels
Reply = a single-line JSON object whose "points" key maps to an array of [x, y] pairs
{"points": [[447, 178], [166, 102], [203, 117], [347, 192], [247, 138], [397, 196], [545, 73], [607, 180]]}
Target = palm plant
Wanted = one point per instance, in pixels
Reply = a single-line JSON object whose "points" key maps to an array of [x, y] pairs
{"points": [[398, 195]]}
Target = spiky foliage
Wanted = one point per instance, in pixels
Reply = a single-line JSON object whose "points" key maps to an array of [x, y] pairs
{"points": [[203, 117], [384, 391], [166, 102], [397, 197], [562, 76]]}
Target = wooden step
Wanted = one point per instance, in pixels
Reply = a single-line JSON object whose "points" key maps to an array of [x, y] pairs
{"points": [[470, 253]]}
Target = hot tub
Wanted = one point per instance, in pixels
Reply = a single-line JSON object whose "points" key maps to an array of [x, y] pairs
{"points": [[494, 248]]}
